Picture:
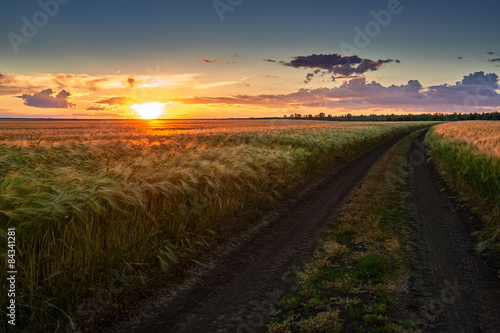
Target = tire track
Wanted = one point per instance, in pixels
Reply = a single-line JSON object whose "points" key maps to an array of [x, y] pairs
{"points": [[452, 289], [240, 291]]}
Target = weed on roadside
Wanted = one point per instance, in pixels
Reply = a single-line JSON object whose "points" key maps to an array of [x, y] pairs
{"points": [[356, 273]]}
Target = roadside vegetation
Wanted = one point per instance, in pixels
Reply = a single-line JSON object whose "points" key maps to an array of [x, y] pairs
{"points": [[356, 273], [467, 154], [101, 205]]}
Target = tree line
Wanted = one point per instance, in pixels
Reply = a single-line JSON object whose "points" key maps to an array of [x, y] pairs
{"points": [[397, 117]]}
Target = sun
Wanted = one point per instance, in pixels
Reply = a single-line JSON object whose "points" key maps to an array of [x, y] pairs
{"points": [[149, 110]]}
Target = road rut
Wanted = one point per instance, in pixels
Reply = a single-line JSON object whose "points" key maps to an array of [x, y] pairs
{"points": [[242, 288]]}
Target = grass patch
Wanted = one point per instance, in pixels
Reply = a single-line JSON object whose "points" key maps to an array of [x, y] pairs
{"points": [[467, 155], [359, 269]]}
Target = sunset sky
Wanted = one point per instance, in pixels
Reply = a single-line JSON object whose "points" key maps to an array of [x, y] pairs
{"points": [[247, 58]]}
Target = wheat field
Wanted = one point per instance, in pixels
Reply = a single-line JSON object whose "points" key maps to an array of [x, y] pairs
{"points": [[470, 150], [468, 155], [93, 200], [481, 134]]}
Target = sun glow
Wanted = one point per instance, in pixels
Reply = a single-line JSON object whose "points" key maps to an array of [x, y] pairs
{"points": [[149, 110]]}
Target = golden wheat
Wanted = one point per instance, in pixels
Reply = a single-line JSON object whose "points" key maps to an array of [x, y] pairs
{"points": [[468, 154], [481, 134], [92, 200]]}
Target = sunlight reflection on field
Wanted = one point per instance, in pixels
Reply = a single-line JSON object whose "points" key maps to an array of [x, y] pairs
{"points": [[23, 132]]}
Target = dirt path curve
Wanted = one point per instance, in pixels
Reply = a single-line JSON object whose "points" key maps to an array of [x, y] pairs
{"points": [[452, 289], [240, 291]]}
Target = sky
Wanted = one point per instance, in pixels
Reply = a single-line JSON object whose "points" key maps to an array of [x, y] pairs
{"points": [[247, 58]]}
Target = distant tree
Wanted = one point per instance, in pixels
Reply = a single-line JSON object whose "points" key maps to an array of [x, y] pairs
{"points": [[456, 116]]}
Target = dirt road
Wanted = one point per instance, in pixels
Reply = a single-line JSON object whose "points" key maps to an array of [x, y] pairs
{"points": [[242, 288], [452, 289]]}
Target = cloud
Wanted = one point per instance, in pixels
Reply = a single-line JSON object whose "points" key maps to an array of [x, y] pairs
{"points": [[340, 66], [44, 99], [96, 108], [214, 84], [323, 61], [99, 114], [477, 88], [494, 60], [269, 60], [115, 101], [479, 78], [460, 58], [123, 100], [12, 84], [491, 52], [131, 81], [7, 111], [309, 77], [214, 61]]}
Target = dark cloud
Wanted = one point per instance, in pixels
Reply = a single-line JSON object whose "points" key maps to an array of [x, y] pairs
{"points": [[472, 92], [323, 61], [491, 52], [494, 60], [479, 78], [131, 82], [363, 67], [460, 58], [96, 108], [44, 99], [477, 86], [214, 61], [269, 60], [309, 77], [340, 66], [115, 101]]}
